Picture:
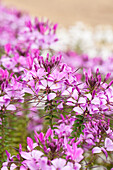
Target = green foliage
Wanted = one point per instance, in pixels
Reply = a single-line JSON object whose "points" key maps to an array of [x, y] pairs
{"points": [[78, 126], [4, 133], [12, 133]]}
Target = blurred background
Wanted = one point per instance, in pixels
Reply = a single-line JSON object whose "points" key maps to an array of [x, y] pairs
{"points": [[67, 12]]}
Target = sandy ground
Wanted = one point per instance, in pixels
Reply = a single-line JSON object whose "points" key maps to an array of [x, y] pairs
{"points": [[67, 12]]}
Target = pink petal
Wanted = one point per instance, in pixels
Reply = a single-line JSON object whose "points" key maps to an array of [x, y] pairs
{"points": [[96, 150], [31, 164], [27, 90], [13, 166], [4, 168], [7, 48], [29, 61], [82, 100], [95, 101], [75, 94], [30, 143], [48, 133], [23, 168], [78, 110], [36, 154], [104, 151], [11, 107], [26, 155], [77, 166], [108, 144], [59, 162], [51, 96], [60, 106], [78, 156]]}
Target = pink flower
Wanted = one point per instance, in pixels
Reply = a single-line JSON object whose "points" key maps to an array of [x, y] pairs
{"points": [[35, 154], [74, 152], [108, 144], [60, 164]]}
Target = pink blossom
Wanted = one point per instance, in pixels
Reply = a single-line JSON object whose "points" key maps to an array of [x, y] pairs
{"points": [[60, 164], [108, 144]]}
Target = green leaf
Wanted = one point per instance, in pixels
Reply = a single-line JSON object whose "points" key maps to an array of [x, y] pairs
{"points": [[55, 116], [47, 118]]}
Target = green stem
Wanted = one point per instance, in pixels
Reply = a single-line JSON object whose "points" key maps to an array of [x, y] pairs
{"points": [[51, 117], [2, 135]]}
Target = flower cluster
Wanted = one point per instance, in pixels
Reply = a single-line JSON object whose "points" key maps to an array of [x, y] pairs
{"points": [[64, 97]]}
